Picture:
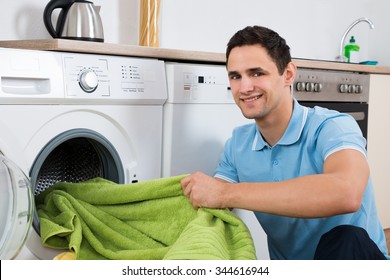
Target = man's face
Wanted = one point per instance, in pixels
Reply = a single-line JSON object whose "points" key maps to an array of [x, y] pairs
{"points": [[256, 84]]}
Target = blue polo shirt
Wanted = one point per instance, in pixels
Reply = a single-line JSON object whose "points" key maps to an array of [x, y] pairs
{"points": [[311, 136]]}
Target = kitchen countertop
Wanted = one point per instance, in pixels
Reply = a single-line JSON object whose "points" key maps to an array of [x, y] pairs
{"points": [[172, 54]]}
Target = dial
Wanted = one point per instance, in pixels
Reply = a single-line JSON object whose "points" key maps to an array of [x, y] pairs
{"points": [[317, 87], [309, 86], [300, 86], [351, 88], [359, 89], [343, 88], [88, 80]]}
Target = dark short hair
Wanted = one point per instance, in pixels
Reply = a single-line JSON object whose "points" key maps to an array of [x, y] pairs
{"points": [[275, 45]]}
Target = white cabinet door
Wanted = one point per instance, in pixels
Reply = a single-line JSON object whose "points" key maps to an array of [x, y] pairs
{"points": [[379, 143]]}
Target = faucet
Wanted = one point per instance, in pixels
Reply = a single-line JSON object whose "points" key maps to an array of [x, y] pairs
{"points": [[341, 56]]}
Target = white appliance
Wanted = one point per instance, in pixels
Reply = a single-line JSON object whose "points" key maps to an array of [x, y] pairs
{"points": [[71, 117], [199, 116]]}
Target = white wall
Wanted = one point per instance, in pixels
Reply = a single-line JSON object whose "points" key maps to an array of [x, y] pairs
{"points": [[312, 28], [23, 20]]}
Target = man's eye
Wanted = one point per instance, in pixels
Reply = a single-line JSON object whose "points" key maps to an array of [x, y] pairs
{"points": [[257, 74], [234, 77]]}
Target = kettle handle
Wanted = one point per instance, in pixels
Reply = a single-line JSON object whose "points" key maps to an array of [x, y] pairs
{"points": [[54, 4]]}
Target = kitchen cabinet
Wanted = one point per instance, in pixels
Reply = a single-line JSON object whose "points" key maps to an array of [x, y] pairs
{"points": [[378, 143]]}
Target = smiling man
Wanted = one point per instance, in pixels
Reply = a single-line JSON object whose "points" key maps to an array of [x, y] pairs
{"points": [[302, 170]]}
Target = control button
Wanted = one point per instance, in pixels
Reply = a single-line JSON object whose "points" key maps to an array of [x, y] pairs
{"points": [[309, 86], [359, 89], [343, 88], [317, 87], [300, 86], [88, 80], [188, 78], [351, 88]]}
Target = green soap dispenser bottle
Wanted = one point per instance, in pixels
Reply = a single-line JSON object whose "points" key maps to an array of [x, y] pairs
{"points": [[351, 51]]}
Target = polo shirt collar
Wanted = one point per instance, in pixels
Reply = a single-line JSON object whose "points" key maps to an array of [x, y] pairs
{"points": [[293, 131]]}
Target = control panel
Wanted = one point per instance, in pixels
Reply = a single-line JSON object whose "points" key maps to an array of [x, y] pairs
{"points": [[197, 83], [192, 83], [331, 86], [111, 78]]}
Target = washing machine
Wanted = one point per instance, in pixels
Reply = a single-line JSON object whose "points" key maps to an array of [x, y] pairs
{"points": [[72, 117], [199, 116]]}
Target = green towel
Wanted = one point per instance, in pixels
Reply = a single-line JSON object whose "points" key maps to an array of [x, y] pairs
{"points": [[99, 219]]}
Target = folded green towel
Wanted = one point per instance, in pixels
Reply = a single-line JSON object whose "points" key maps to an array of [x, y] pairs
{"points": [[99, 219]]}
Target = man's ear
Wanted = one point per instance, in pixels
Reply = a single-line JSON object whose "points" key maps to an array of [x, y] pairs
{"points": [[290, 73]]}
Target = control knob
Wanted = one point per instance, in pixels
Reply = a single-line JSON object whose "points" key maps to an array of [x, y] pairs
{"points": [[317, 87], [88, 80], [300, 86], [351, 88], [359, 89], [343, 88], [309, 86]]}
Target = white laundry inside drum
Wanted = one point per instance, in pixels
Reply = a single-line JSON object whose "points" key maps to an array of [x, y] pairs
{"points": [[16, 208]]}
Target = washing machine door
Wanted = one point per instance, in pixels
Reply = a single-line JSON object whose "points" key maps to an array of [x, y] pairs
{"points": [[16, 208]]}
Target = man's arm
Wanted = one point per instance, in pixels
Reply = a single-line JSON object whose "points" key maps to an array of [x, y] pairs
{"points": [[338, 190]]}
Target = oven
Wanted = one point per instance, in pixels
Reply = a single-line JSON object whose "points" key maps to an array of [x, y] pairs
{"points": [[344, 91]]}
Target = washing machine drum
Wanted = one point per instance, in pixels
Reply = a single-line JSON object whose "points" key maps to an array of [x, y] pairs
{"points": [[16, 208], [74, 156], [75, 160]]}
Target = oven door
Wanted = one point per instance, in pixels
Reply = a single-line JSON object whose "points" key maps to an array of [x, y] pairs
{"points": [[359, 111]]}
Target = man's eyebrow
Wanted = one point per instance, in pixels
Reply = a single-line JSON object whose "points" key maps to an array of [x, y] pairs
{"points": [[256, 69], [250, 70], [232, 73]]}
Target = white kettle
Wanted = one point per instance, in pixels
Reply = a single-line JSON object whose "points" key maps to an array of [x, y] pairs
{"points": [[78, 20]]}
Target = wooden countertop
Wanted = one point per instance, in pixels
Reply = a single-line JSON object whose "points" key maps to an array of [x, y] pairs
{"points": [[171, 54]]}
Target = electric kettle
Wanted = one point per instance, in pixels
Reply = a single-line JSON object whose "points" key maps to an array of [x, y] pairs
{"points": [[77, 20]]}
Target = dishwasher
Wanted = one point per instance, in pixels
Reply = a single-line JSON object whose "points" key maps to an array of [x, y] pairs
{"points": [[200, 115]]}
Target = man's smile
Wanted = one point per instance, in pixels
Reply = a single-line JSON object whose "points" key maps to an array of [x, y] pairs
{"points": [[251, 99]]}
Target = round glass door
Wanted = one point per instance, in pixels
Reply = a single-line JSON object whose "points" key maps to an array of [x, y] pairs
{"points": [[16, 208]]}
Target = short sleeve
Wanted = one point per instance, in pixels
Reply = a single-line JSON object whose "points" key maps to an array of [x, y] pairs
{"points": [[340, 132], [226, 169]]}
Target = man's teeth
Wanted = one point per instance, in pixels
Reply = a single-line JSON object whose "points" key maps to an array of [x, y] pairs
{"points": [[251, 99]]}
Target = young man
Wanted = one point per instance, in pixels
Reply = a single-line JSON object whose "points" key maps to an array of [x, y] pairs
{"points": [[303, 171]]}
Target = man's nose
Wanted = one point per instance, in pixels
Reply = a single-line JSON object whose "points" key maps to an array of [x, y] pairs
{"points": [[246, 85]]}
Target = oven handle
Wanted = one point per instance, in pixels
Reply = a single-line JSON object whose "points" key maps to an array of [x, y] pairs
{"points": [[359, 116]]}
